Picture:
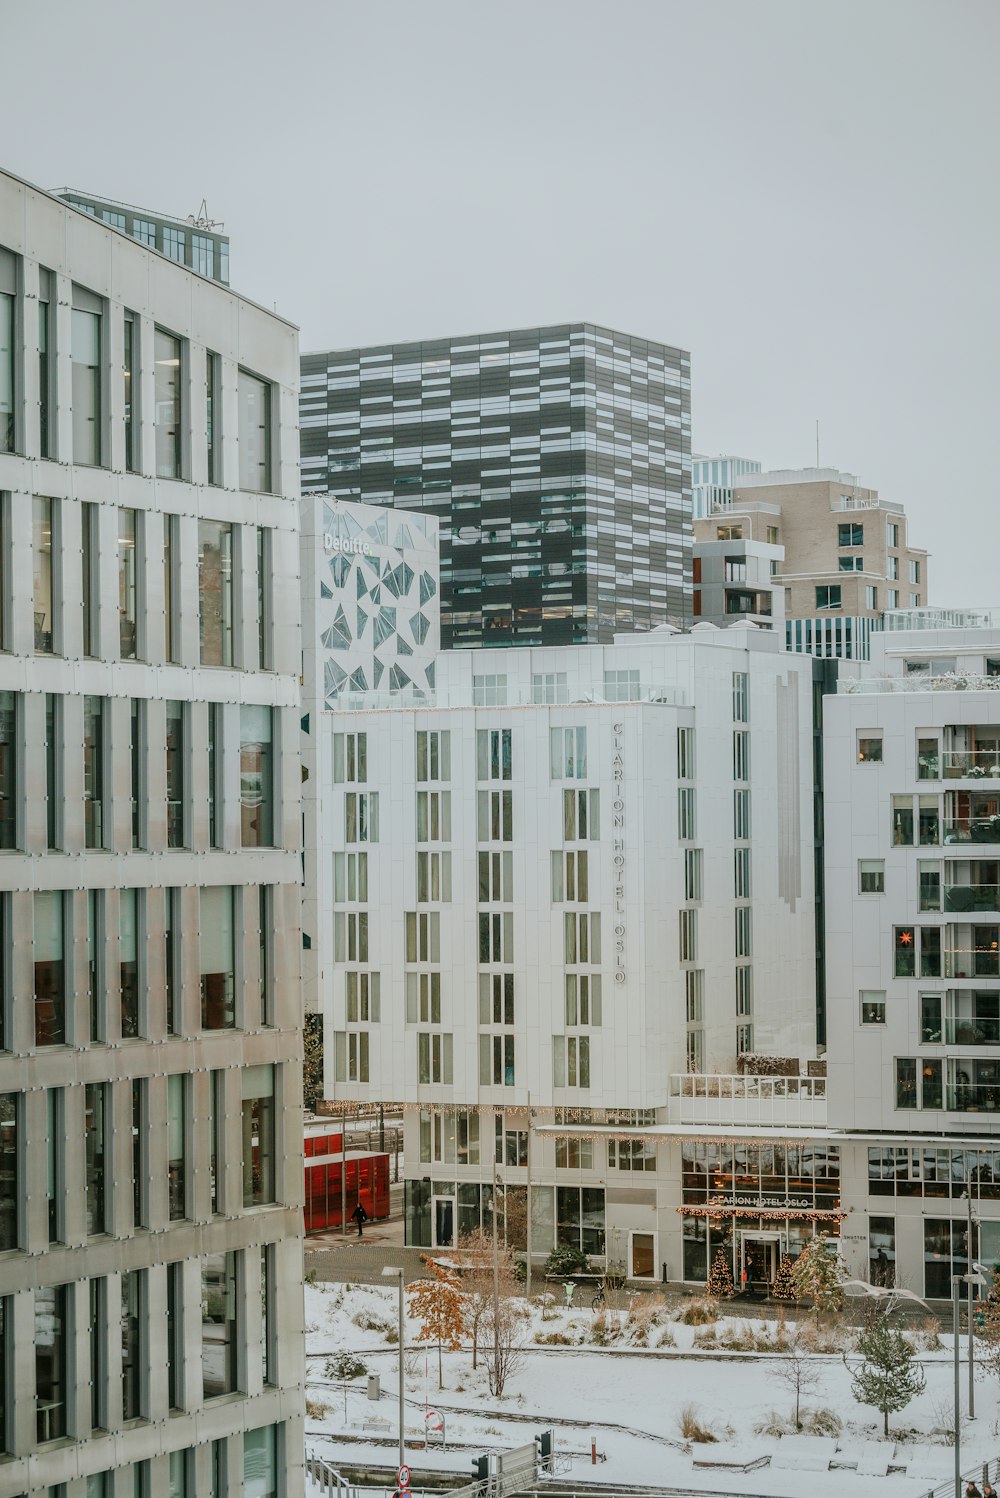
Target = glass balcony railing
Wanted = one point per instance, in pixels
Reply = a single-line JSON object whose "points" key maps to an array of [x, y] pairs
{"points": [[965, 964], [985, 829], [963, 897], [970, 1097], [972, 1029], [971, 764]]}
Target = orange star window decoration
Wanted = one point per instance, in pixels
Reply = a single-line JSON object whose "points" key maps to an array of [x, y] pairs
{"points": [[905, 937]]}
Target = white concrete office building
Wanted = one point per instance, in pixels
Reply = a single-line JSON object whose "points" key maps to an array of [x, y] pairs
{"points": [[571, 877], [150, 1044], [912, 770]]}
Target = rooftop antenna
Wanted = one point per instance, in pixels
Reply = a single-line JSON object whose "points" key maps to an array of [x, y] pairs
{"points": [[201, 220]]}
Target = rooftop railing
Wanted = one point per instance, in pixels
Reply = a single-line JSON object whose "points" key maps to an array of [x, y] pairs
{"points": [[738, 1100], [918, 681], [462, 695]]}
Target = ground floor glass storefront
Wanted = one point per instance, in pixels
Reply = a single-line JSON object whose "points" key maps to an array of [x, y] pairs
{"points": [[756, 1202], [440, 1212]]}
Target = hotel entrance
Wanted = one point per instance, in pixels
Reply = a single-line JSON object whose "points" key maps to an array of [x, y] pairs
{"points": [[760, 1253]]}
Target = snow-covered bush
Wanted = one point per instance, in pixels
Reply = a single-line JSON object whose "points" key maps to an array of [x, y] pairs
{"points": [[345, 1364]]}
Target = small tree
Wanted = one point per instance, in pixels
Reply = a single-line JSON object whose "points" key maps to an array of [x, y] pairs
{"points": [[784, 1282], [888, 1377], [987, 1327], [476, 1250], [818, 1277], [799, 1372], [503, 1332], [720, 1278], [312, 1060], [438, 1305]]}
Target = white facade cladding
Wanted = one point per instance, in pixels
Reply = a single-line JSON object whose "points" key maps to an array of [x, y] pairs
{"points": [[912, 775], [150, 1047], [568, 876]]}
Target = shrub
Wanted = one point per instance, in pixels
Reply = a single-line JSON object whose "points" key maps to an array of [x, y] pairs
{"points": [[773, 1424], [928, 1337], [666, 1338], [345, 1364], [690, 1425], [316, 1409], [310, 1276], [392, 1335], [705, 1337], [370, 1321], [699, 1312], [818, 1338], [554, 1339], [605, 1329], [822, 1422], [566, 1260]]}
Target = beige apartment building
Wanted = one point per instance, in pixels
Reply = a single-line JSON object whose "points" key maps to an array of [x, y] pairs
{"points": [[847, 555]]}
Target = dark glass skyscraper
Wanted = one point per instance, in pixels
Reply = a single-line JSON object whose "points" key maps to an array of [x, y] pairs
{"points": [[558, 461]]}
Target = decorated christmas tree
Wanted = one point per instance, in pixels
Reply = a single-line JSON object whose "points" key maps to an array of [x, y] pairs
{"points": [[720, 1278], [818, 1277], [784, 1284]]}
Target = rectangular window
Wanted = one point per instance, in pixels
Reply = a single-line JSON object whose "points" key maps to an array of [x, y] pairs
{"points": [[687, 942], [570, 879], [582, 939], [89, 554], [914, 572], [46, 364], [129, 912], [137, 750], [267, 1294], [549, 687], [695, 1050], [9, 1175], [686, 830], [211, 417], [493, 754], [741, 873], [828, 596], [892, 594], [175, 1336], [8, 358], [215, 592], [144, 230], [264, 598], [350, 877], [254, 401], [741, 755], [574, 1154], [216, 1137], [52, 1333], [361, 817], [744, 990], [871, 596], [928, 821], [53, 765], [930, 1021], [134, 1315], [177, 1135], [45, 548], [95, 964], [433, 816], [219, 1300], [581, 815], [350, 758], [741, 815], [350, 936], [872, 1006], [86, 383], [423, 936], [265, 964], [434, 1058], [93, 771], [571, 1061], [351, 1056], [892, 533], [96, 1138], [50, 969], [496, 997], [871, 876], [215, 798], [260, 1463], [434, 876], [496, 936], [217, 958], [257, 776], [850, 564], [902, 821], [685, 754], [140, 1152], [744, 931], [131, 392], [905, 951], [744, 1040], [489, 691], [433, 754], [494, 816], [583, 999], [176, 752], [98, 1298], [869, 749], [568, 753], [849, 533], [175, 244], [362, 996], [741, 697], [631, 1154], [8, 769], [171, 961], [258, 1135], [906, 1082], [692, 873], [930, 952], [203, 254], [129, 604], [621, 686]]}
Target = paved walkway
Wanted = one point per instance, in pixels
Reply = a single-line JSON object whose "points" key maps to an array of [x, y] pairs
{"points": [[362, 1263]]}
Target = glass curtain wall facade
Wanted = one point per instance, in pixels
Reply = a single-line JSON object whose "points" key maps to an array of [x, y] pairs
{"points": [[558, 461]]}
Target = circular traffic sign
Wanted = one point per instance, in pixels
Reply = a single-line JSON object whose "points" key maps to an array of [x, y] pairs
{"points": [[403, 1477]]}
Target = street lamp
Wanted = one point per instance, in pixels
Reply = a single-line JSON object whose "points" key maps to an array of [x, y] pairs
{"points": [[957, 1280], [397, 1274]]}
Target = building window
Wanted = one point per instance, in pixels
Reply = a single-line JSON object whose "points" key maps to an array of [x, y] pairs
{"points": [[93, 771], [489, 691], [581, 815], [423, 997], [177, 1133], [167, 390], [44, 513], [872, 1006], [258, 1135], [137, 751], [850, 533], [871, 876], [213, 448], [892, 595], [569, 877], [741, 815], [869, 749], [264, 598], [914, 572], [688, 935], [95, 964], [215, 798], [216, 1137], [906, 1082], [260, 1463], [89, 543], [350, 877], [257, 776], [902, 821], [176, 751], [741, 873], [128, 578], [729, 533], [631, 1154], [175, 244], [493, 754], [496, 998], [96, 1142], [621, 686], [361, 817], [892, 533], [686, 830], [433, 754], [50, 968], [133, 1325], [914, 600], [140, 1152], [494, 816], [850, 564], [131, 392], [215, 592], [433, 816], [9, 1178], [350, 936], [741, 697], [434, 1058], [549, 687], [203, 254], [219, 1300], [144, 230], [905, 951], [86, 386], [574, 1154], [583, 999], [871, 597], [946, 1253], [496, 936], [744, 991], [128, 960], [685, 754], [98, 1306], [423, 936], [580, 1218], [8, 364], [363, 1004], [744, 931], [741, 754], [828, 596], [217, 958], [568, 753], [571, 1061], [51, 1361], [350, 758], [254, 399]]}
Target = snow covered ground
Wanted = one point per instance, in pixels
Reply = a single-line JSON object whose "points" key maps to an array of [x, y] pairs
{"points": [[629, 1397]]}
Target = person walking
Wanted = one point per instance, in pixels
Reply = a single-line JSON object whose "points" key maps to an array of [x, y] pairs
{"points": [[972, 1491], [360, 1216], [989, 1491]]}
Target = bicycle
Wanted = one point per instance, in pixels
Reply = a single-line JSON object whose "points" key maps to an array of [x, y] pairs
{"points": [[600, 1300]]}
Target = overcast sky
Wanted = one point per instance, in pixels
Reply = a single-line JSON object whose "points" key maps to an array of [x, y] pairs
{"points": [[804, 193]]}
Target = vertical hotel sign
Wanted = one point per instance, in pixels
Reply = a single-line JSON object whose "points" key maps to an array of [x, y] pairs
{"points": [[618, 844]]}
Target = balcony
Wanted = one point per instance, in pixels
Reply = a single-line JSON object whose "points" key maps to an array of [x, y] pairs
{"points": [[769, 1102], [972, 1086], [974, 829], [972, 764], [972, 952], [919, 681], [963, 897]]}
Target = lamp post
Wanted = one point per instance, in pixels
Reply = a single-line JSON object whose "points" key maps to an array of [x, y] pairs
{"points": [[956, 1301], [971, 1279], [497, 1187], [397, 1275]]}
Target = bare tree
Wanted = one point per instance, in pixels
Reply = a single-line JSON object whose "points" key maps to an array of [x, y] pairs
{"points": [[503, 1329], [476, 1256], [798, 1372]]}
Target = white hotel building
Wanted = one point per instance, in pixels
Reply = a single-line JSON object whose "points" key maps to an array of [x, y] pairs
{"points": [[912, 791], [566, 878], [150, 1034]]}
